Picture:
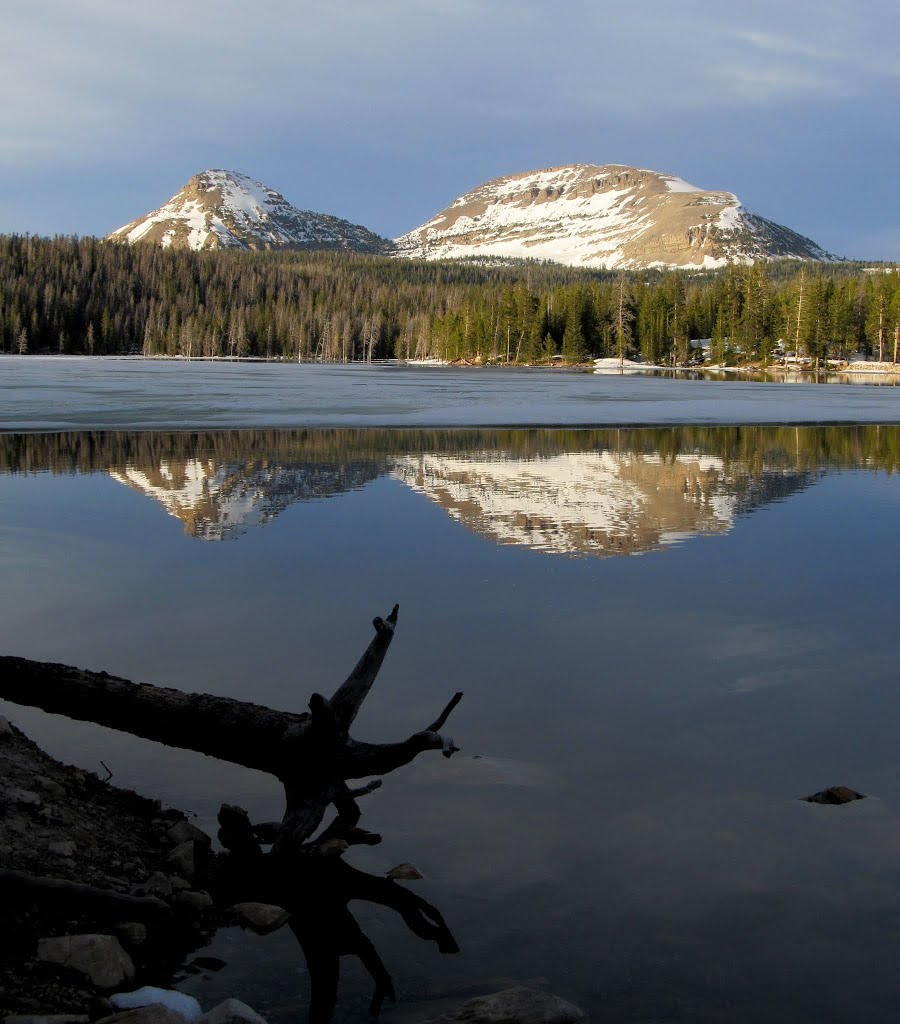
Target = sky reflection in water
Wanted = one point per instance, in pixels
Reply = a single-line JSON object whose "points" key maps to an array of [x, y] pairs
{"points": [[629, 829]]}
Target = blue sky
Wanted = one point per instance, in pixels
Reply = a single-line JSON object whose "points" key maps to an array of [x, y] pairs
{"points": [[383, 111]]}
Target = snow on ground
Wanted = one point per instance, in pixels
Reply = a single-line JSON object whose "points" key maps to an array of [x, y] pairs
{"points": [[613, 365]]}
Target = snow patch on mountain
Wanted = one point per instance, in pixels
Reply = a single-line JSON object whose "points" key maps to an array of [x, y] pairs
{"points": [[222, 209], [612, 216]]}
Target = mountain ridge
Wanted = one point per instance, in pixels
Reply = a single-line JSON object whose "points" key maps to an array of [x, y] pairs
{"points": [[219, 209], [610, 216]]}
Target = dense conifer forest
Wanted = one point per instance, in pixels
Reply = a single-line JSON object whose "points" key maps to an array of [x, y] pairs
{"points": [[87, 296]]}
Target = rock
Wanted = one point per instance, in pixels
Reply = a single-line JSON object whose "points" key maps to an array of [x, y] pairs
{"points": [[232, 1011], [332, 847], [261, 918], [47, 1018], [6, 730], [184, 1005], [50, 786], [132, 933], [196, 902], [185, 858], [208, 963], [62, 848], [518, 1005], [156, 885], [153, 1014], [183, 832], [835, 795], [23, 797], [406, 871], [178, 883], [99, 957]]}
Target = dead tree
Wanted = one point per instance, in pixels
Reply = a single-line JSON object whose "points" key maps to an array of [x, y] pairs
{"points": [[314, 756]]}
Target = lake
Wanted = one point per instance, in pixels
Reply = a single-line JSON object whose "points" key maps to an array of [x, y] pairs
{"points": [[666, 637]]}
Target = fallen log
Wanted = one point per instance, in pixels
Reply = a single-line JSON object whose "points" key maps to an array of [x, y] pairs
{"points": [[20, 886], [314, 756]]}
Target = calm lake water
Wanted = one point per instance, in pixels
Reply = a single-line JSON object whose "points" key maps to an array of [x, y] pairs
{"points": [[666, 637], [622, 822]]}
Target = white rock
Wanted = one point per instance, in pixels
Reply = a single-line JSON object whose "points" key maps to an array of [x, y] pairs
{"points": [[179, 1002]]}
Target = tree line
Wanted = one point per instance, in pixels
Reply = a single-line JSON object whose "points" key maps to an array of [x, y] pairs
{"points": [[87, 296]]}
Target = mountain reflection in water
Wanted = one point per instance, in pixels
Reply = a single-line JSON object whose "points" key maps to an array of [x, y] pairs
{"points": [[595, 492]]}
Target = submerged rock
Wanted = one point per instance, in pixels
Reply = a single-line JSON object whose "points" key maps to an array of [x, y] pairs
{"points": [[261, 918], [835, 795], [232, 1011], [519, 1005], [406, 871], [153, 1014]]}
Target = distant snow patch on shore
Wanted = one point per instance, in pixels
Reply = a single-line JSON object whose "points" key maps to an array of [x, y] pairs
{"points": [[613, 365]]}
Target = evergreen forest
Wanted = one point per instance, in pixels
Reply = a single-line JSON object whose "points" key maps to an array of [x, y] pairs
{"points": [[70, 295]]}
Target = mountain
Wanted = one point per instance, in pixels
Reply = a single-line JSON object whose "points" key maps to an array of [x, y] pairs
{"points": [[594, 503], [220, 500], [571, 503], [224, 210], [613, 217]]}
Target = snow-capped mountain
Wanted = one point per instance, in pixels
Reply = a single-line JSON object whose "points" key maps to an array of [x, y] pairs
{"points": [[612, 216], [221, 209]]}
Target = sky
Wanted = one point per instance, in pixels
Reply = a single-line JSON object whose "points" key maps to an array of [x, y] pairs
{"points": [[384, 111]]}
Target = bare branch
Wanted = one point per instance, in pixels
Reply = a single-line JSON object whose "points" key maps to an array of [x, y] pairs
{"points": [[438, 723], [349, 696]]}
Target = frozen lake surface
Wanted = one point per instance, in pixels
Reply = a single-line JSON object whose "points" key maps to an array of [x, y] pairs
{"points": [[71, 393]]}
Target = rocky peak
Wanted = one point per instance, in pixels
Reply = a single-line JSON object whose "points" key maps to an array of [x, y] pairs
{"points": [[612, 216]]}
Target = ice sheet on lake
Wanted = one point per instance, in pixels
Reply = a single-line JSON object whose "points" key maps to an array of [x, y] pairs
{"points": [[72, 393]]}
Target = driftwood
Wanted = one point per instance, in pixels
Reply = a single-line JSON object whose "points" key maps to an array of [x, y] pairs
{"points": [[19, 885], [315, 757]]}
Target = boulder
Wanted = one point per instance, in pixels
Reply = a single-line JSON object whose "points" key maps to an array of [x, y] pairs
{"points": [[261, 918], [6, 730], [518, 1005], [23, 797], [835, 795], [100, 958], [62, 848], [186, 858], [232, 1011], [194, 902], [132, 933], [184, 1005], [156, 885], [405, 872], [183, 832]]}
